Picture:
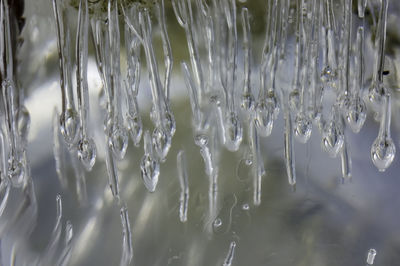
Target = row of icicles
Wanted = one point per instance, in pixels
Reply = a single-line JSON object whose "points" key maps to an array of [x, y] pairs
{"points": [[221, 95], [324, 60]]}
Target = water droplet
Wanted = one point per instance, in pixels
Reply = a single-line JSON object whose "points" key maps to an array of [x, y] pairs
{"points": [[217, 223], [233, 132], [150, 170], [383, 152], [332, 138], [69, 125], [245, 207], [87, 152], [303, 128], [118, 141], [162, 143]]}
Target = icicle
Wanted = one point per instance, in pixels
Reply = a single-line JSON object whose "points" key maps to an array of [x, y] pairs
{"points": [[59, 156], [161, 115], [66, 252], [150, 168], [289, 149], [16, 163], [248, 101], [345, 159], [329, 72], [371, 256], [376, 90], [86, 145], [267, 107], [112, 172], [51, 248], [258, 163], [127, 250], [294, 96], [118, 136], [383, 149], [231, 253], [356, 110], [302, 123], [69, 118], [183, 181], [361, 5], [168, 60], [194, 103], [183, 13], [134, 120]]}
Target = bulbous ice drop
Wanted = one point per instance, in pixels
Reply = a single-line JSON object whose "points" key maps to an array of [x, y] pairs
{"points": [[233, 132], [135, 128], [150, 168], [162, 143], [303, 128], [356, 114], [70, 125], [383, 149], [333, 137], [169, 122], [375, 92], [87, 152], [266, 111], [118, 140], [383, 152]]}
